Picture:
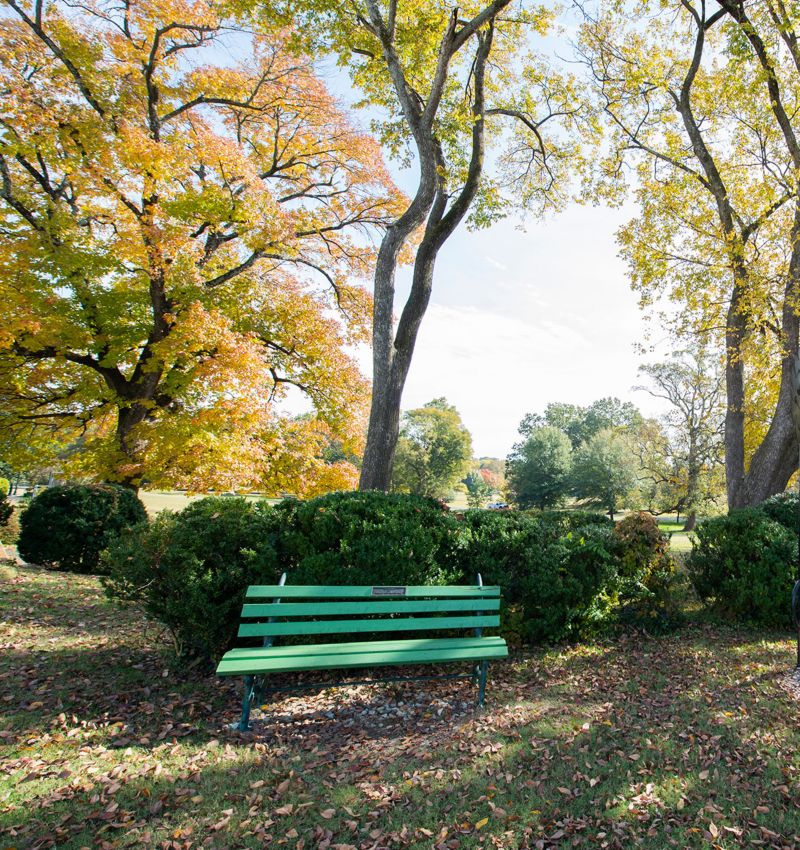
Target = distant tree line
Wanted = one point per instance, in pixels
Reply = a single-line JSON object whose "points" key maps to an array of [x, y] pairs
{"points": [[610, 456]]}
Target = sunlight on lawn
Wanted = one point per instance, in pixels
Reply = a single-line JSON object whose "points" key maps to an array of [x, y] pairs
{"points": [[108, 742]]}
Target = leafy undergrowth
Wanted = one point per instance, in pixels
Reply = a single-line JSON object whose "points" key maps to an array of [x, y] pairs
{"points": [[684, 741]]}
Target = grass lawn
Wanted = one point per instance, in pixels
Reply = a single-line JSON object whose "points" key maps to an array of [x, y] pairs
{"points": [[684, 741], [174, 500], [679, 540]]}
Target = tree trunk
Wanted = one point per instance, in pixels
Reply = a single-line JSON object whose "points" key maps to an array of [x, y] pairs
{"points": [[127, 419], [391, 353], [775, 460], [384, 426], [390, 377], [691, 521]]}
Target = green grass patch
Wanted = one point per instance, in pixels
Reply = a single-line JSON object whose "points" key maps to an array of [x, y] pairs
{"points": [[107, 742]]}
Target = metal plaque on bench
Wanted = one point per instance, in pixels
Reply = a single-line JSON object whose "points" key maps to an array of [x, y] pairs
{"points": [[388, 591]]}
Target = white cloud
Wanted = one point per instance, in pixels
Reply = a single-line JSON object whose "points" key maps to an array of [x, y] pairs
{"points": [[498, 265], [496, 368]]}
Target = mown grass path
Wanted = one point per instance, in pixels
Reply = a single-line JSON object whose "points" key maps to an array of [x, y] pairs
{"points": [[684, 741]]}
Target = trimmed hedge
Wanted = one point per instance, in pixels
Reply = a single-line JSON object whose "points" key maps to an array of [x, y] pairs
{"points": [[560, 577], [744, 564], [190, 570], [783, 508], [369, 538], [556, 583], [67, 527]]}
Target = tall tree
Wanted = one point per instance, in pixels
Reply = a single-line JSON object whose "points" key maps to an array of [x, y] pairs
{"points": [[691, 383], [581, 423], [163, 217], [539, 467], [434, 450], [703, 100], [447, 82], [605, 472]]}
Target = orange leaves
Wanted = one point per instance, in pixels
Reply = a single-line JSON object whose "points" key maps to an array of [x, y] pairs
{"points": [[186, 243]]}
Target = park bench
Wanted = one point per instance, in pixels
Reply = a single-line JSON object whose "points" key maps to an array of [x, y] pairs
{"points": [[318, 610]]}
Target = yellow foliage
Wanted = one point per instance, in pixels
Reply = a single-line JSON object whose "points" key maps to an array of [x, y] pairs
{"points": [[185, 239]]}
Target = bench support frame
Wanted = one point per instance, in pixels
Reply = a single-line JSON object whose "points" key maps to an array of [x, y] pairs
{"points": [[255, 685]]}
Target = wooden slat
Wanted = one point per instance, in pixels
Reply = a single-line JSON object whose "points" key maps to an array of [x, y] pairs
{"points": [[365, 646], [299, 591], [330, 627], [324, 609], [270, 663]]}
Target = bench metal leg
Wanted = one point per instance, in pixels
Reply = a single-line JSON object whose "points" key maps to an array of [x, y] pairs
{"points": [[247, 699], [484, 668]]}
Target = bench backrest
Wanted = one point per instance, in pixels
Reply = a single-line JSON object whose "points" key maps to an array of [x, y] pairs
{"points": [[318, 610]]}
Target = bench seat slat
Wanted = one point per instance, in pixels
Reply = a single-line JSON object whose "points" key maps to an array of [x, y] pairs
{"points": [[363, 646], [270, 662], [330, 627], [322, 609], [300, 591]]}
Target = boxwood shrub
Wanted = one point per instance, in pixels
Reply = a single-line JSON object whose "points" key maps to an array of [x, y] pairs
{"points": [[556, 584], [560, 577], [369, 538], [190, 570], [783, 508], [67, 527], [744, 565]]}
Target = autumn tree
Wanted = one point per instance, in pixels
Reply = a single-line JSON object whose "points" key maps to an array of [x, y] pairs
{"points": [[659, 483], [539, 467], [182, 242], [434, 450], [452, 87], [701, 102], [478, 489]]}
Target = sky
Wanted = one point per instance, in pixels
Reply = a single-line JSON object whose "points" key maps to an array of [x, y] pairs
{"points": [[520, 318]]}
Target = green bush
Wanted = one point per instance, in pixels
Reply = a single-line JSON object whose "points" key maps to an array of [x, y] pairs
{"points": [[570, 586], [648, 585], [783, 508], [9, 522], [67, 527], [369, 538], [563, 522], [744, 563], [5, 487], [190, 570], [561, 582]]}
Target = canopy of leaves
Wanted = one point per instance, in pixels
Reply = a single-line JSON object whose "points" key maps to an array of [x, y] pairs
{"points": [[433, 452], [581, 423], [181, 239], [538, 469], [605, 471]]}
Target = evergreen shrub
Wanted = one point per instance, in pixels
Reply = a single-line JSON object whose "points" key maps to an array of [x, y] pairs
{"points": [[190, 570], [67, 527], [744, 565]]}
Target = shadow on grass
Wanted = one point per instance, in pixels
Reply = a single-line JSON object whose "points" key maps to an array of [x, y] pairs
{"points": [[658, 766]]}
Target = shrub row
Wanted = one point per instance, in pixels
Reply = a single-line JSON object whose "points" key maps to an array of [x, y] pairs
{"points": [[562, 575], [744, 564]]}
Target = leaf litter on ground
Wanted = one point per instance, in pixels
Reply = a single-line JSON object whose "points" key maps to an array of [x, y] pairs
{"points": [[107, 742]]}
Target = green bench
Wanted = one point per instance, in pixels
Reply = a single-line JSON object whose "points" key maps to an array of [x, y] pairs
{"points": [[321, 610]]}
